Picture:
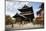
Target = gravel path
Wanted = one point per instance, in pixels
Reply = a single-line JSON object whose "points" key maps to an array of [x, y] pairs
{"points": [[23, 26]]}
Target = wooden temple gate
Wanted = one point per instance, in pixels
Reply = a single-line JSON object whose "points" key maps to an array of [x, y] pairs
{"points": [[25, 15]]}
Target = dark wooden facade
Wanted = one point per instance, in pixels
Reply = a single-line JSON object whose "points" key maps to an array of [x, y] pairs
{"points": [[25, 15], [40, 13], [27, 12]]}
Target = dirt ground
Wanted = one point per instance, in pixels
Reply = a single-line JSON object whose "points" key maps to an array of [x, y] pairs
{"points": [[24, 26]]}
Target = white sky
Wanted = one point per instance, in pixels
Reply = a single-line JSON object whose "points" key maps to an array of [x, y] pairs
{"points": [[11, 7]]}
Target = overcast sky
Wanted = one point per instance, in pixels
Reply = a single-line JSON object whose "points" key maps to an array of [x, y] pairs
{"points": [[12, 7]]}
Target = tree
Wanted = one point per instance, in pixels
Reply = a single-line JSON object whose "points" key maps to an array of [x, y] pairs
{"points": [[8, 20]]}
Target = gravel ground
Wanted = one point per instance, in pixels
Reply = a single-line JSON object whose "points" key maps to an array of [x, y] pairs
{"points": [[22, 26]]}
